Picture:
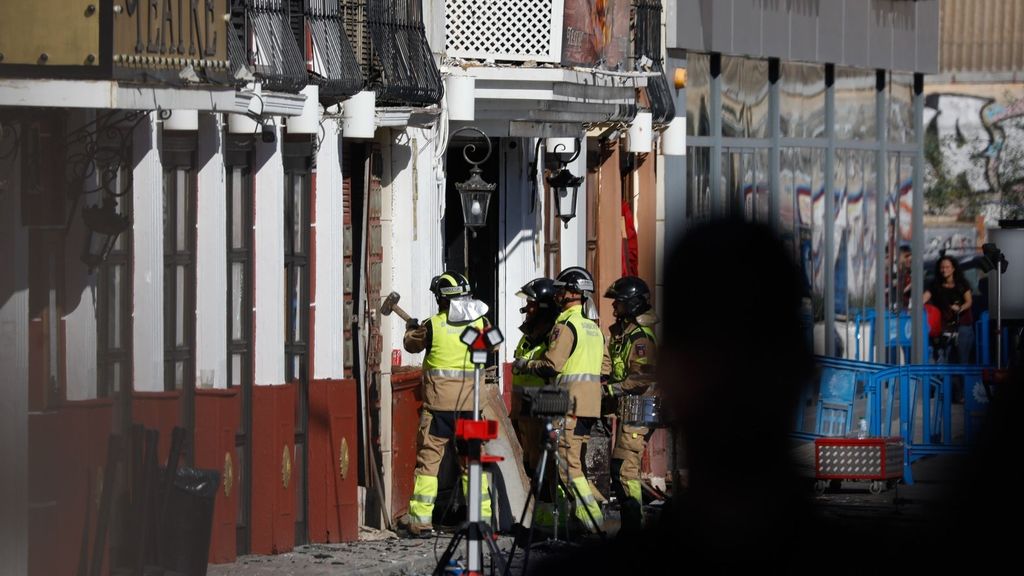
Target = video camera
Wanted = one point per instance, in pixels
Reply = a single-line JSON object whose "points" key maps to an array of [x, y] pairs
{"points": [[993, 258], [546, 402]]}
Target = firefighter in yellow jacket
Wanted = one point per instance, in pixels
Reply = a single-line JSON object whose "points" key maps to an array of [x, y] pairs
{"points": [[573, 359], [539, 312], [447, 395], [628, 369]]}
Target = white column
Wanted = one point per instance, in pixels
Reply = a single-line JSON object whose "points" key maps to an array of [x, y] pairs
{"points": [[79, 316], [148, 260], [211, 257], [574, 238], [14, 376], [520, 252], [401, 225], [395, 256], [329, 329], [417, 205], [268, 263]]}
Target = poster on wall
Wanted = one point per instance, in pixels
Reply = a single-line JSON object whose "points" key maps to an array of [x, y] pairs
{"points": [[595, 33]]}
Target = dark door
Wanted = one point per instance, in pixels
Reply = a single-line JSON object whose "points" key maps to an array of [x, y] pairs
{"points": [[476, 256]]}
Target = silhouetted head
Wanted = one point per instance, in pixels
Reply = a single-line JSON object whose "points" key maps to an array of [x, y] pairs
{"points": [[734, 353]]}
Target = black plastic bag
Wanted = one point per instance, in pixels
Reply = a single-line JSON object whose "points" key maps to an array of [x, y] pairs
{"points": [[187, 521]]}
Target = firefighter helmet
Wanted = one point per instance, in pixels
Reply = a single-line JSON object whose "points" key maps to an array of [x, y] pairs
{"points": [[540, 290], [633, 293], [450, 285], [575, 279]]}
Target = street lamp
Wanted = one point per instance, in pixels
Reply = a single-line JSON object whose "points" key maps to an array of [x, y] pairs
{"points": [[475, 192]]}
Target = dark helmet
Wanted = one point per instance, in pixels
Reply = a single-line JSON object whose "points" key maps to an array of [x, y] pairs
{"points": [[633, 293], [540, 290], [575, 279], [450, 285]]}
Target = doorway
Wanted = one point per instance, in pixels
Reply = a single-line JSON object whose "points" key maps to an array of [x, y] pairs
{"points": [[475, 255]]}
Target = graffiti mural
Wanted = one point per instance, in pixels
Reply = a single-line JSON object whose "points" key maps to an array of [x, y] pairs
{"points": [[974, 146]]}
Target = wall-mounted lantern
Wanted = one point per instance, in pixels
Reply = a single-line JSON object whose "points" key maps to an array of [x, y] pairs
{"points": [[564, 186], [475, 192], [102, 227]]}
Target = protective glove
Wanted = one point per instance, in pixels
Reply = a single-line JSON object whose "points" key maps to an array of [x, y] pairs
{"points": [[519, 365], [412, 324]]}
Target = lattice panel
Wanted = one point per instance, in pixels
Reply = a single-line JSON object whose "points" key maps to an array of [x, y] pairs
{"points": [[509, 30]]}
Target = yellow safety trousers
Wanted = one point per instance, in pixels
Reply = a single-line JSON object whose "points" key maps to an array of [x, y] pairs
{"points": [[424, 494]]}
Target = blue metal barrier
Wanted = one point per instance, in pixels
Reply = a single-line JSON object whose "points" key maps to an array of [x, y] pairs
{"points": [[899, 336], [898, 333], [981, 340], [931, 388], [913, 401]]}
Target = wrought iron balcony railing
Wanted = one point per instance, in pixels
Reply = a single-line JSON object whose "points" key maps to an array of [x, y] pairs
{"points": [[390, 43], [335, 68], [647, 54], [260, 35]]}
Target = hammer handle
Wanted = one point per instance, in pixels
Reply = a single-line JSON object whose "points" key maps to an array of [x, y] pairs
{"points": [[401, 313]]}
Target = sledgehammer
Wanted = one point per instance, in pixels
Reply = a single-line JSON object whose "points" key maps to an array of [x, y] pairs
{"points": [[390, 305]]}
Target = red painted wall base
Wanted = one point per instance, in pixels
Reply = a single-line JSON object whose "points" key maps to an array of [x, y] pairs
{"points": [[273, 467], [333, 462]]}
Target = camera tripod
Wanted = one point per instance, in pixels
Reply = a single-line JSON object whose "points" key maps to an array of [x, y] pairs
{"points": [[475, 432], [474, 530], [551, 437]]}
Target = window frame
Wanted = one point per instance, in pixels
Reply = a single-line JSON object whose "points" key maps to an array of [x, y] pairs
{"points": [[297, 154], [119, 358], [179, 156]]}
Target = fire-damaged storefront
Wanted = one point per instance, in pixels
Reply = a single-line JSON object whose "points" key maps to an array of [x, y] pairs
{"points": [[192, 202]]}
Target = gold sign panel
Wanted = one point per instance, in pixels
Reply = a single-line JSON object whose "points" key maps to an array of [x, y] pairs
{"points": [[50, 33], [229, 474], [171, 34], [286, 467], [343, 460]]}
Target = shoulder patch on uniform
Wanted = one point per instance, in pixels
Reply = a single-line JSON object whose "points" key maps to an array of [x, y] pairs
{"points": [[641, 349], [555, 331]]}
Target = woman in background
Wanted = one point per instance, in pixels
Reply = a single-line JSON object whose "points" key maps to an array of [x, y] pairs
{"points": [[950, 292]]}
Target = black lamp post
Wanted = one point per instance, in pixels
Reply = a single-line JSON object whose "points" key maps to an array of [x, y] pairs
{"points": [[475, 192]]}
